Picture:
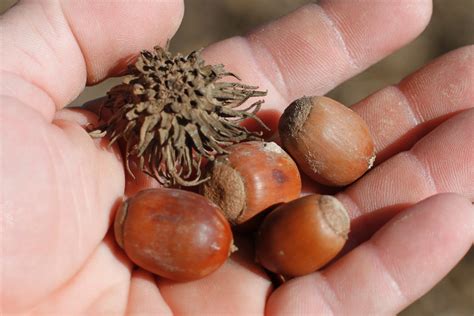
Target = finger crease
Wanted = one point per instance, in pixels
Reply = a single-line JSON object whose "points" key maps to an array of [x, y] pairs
{"points": [[328, 293], [74, 37], [425, 170], [389, 277], [338, 34], [410, 105], [281, 87], [44, 38], [50, 103]]}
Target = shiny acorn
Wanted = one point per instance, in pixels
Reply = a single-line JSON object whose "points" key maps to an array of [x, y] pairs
{"points": [[303, 235], [329, 142], [175, 234], [252, 177]]}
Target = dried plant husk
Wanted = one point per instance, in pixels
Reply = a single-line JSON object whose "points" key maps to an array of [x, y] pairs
{"points": [[173, 111]]}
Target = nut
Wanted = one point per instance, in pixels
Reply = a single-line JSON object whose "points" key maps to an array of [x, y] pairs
{"points": [[329, 142], [175, 234], [252, 177], [303, 235]]}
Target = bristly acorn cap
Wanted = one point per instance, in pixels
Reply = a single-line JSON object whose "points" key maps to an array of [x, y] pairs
{"points": [[172, 111]]}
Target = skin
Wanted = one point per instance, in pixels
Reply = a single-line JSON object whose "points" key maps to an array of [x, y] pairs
{"points": [[60, 189]]}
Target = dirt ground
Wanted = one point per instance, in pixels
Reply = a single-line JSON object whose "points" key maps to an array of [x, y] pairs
{"points": [[452, 26]]}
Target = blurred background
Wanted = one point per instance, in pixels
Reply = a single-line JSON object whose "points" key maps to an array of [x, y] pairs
{"points": [[452, 26]]}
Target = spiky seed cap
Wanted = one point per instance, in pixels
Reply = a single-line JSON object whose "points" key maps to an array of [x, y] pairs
{"points": [[172, 111]]}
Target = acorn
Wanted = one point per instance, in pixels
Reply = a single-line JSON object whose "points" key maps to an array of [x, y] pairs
{"points": [[176, 234], [251, 178], [173, 112], [329, 142], [302, 236]]}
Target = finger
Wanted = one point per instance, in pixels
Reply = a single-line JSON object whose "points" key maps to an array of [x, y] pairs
{"points": [[62, 188], [239, 286], [317, 47], [398, 265], [145, 297], [58, 202], [55, 46], [101, 286], [400, 115], [440, 162]]}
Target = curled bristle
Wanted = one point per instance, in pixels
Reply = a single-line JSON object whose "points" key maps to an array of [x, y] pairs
{"points": [[172, 111]]}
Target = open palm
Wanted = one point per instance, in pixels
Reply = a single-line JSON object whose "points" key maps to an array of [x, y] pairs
{"points": [[60, 187]]}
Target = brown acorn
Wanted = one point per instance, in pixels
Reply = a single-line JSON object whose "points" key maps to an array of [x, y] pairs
{"points": [[251, 178], [173, 111], [303, 235], [329, 142], [173, 233]]}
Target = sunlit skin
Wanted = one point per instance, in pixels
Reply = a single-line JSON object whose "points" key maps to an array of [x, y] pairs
{"points": [[60, 188]]}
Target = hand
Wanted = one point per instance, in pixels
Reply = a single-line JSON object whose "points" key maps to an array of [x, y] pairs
{"points": [[60, 188]]}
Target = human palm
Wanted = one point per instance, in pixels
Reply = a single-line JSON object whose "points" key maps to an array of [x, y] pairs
{"points": [[60, 188]]}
